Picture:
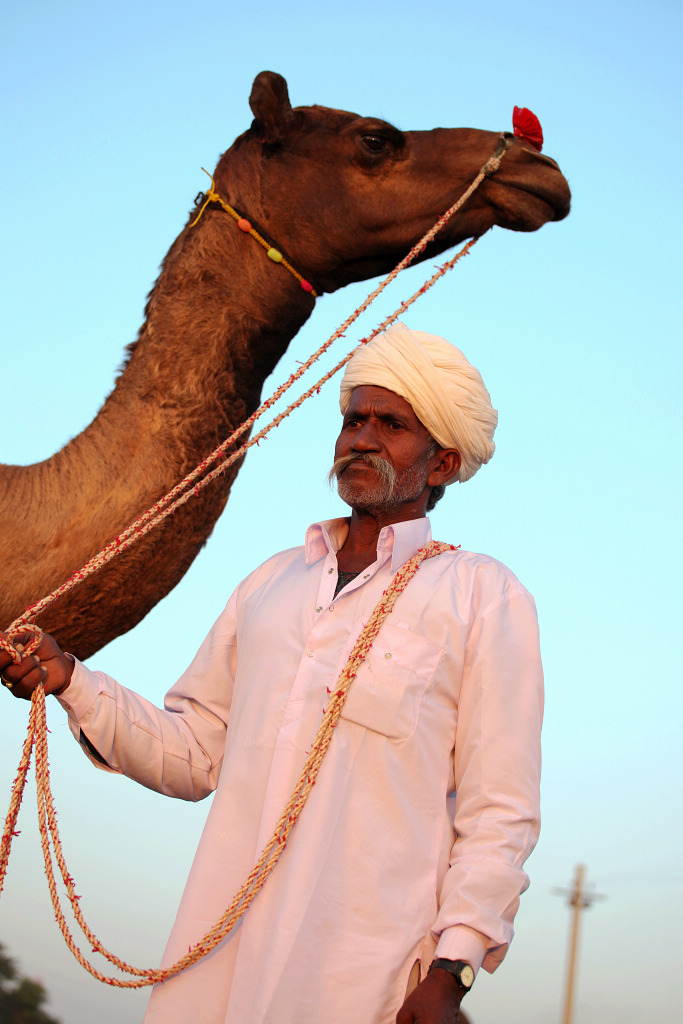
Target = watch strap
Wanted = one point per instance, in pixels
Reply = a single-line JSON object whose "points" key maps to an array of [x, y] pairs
{"points": [[460, 969]]}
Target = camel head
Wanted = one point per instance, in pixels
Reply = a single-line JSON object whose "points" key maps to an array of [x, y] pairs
{"points": [[345, 197]]}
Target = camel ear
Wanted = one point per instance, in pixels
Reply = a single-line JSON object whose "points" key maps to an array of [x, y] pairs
{"points": [[269, 102]]}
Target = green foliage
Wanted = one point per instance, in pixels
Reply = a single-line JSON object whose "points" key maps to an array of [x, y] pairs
{"points": [[21, 1000]]}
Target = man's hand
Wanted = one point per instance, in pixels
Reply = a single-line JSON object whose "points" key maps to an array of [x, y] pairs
{"points": [[48, 666], [436, 1000]]}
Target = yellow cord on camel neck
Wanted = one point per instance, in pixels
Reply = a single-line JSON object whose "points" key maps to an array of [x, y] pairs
{"points": [[244, 225]]}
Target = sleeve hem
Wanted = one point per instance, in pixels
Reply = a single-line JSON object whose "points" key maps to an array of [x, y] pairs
{"points": [[81, 693], [77, 700], [462, 943]]}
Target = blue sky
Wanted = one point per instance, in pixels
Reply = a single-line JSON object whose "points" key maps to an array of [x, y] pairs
{"points": [[109, 113]]}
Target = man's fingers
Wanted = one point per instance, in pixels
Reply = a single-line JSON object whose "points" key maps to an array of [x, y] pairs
{"points": [[19, 644], [20, 673], [48, 666], [30, 672], [46, 648], [26, 683], [20, 679]]}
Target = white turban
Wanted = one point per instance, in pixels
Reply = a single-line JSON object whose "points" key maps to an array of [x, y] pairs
{"points": [[446, 392]]}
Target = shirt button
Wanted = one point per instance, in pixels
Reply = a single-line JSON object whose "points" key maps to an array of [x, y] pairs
{"points": [[309, 654], [367, 576], [388, 654], [319, 608], [330, 571]]}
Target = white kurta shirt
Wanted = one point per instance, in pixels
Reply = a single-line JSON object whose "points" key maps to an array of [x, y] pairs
{"points": [[386, 860]]}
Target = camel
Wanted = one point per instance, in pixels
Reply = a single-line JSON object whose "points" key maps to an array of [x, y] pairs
{"points": [[344, 198]]}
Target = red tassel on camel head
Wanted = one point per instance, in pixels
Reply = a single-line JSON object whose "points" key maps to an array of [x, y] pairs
{"points": [[527, 126]]}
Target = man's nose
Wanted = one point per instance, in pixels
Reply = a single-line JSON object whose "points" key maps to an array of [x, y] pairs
{"points": [[366, 440]]}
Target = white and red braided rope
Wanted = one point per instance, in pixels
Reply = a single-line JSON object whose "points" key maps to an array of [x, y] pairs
{"points": [[191, 485], [194, 482]]}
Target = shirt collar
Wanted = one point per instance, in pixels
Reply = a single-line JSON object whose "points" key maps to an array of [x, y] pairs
{"points": [[397, 542]]}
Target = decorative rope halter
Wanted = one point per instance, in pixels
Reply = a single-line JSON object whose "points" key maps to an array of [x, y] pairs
{"points": [[202, 475], [192, 485], [244, 225]]}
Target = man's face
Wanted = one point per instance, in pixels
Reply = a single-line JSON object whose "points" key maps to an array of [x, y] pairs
{"points": [[383, 453]]}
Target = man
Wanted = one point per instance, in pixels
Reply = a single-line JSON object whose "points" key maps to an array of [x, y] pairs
{"points": [[409, 851]]}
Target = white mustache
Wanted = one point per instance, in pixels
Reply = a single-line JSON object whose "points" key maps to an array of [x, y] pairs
{"points": [[384, 468]]}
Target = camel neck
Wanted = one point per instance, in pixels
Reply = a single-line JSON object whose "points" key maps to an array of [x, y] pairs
{"points": [[218, 319], [184, 405]]}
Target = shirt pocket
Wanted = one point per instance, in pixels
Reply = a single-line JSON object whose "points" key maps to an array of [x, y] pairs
{"points": [[387, 692]]}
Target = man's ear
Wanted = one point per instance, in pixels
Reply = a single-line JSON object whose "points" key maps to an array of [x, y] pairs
{"points": [[447, 464], [269, 102]]}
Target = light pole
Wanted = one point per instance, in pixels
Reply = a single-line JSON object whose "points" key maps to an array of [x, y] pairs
{"points": [[578, 899]]}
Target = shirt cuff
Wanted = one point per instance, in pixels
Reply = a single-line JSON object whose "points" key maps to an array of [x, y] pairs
{"points": [[462, 943], [81, 693], [78, 700]]}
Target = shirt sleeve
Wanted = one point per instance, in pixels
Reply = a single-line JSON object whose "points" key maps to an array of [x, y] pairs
{"points": [[497, 762], [177, 750]]}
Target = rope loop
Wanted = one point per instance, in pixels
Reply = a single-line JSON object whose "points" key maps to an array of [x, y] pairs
{"points": [[19, 654], [494, 161]]}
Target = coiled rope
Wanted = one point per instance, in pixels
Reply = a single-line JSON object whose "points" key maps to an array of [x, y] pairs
{"points": [[37, 736], [191, 485]]}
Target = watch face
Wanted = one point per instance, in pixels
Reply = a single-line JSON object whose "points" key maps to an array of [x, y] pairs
{"points": [[466, 976]]}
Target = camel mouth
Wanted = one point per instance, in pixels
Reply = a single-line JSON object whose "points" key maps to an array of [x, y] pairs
{"points": [[558, 205], [536, 182], [538, 205]]}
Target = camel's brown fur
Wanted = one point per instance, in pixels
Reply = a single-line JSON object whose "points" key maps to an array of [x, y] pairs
{"points": [[344, 197]]}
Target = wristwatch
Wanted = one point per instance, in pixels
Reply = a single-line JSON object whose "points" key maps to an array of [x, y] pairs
{"points": [[460, 969]]}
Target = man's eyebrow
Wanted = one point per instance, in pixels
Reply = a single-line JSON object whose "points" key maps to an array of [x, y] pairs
{"points": [[395, 417], [387, 417]]}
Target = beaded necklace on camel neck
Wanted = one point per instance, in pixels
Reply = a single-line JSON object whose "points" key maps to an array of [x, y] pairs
{"points": [[244, 225]]}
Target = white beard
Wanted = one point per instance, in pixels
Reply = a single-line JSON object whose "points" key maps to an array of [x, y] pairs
{"points": [[385, 493]]}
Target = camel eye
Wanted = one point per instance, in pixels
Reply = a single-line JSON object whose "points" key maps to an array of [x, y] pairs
{"points": [[374, 143]]}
